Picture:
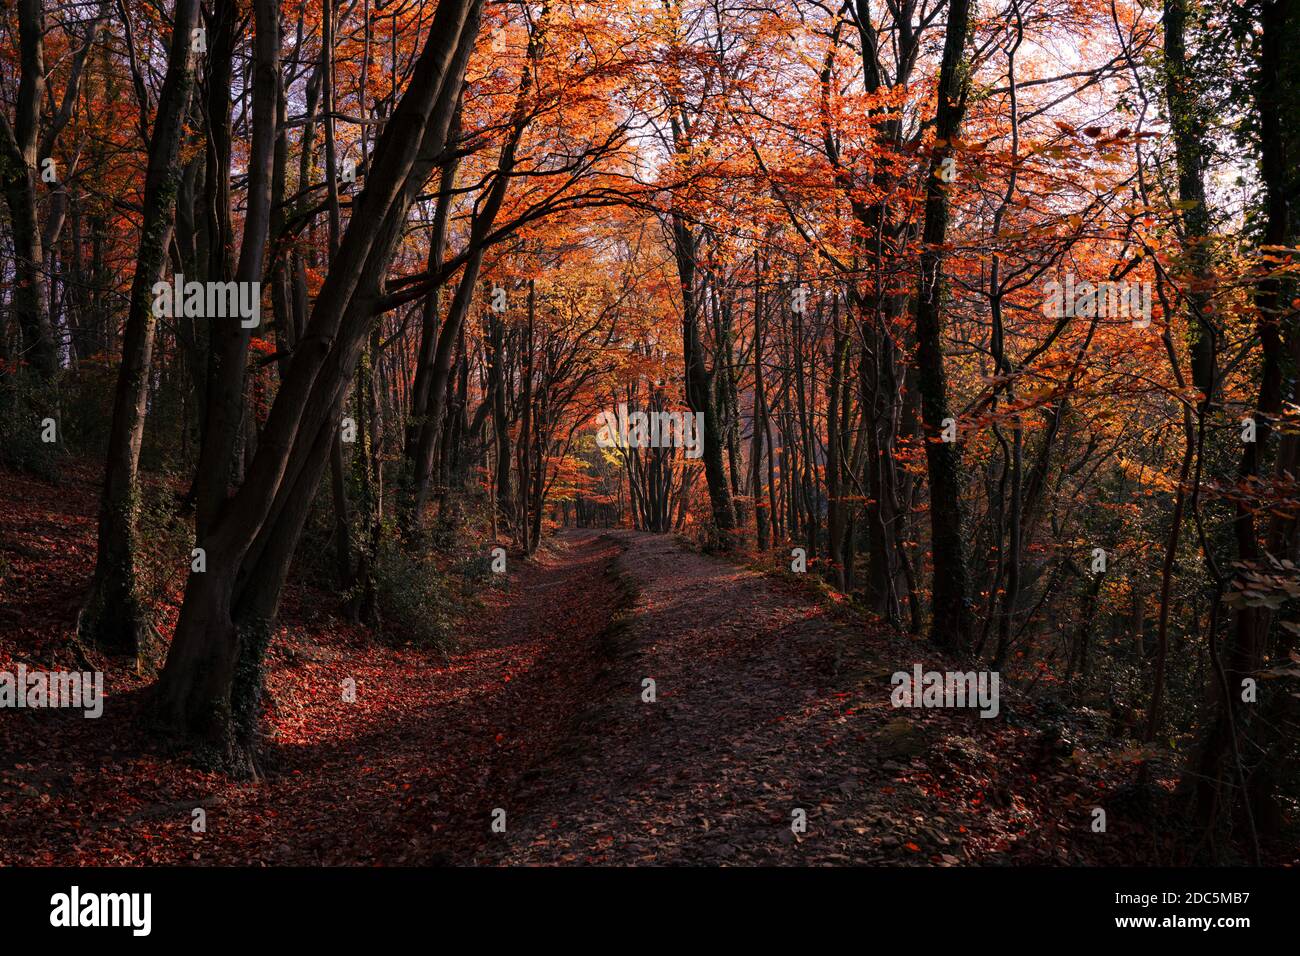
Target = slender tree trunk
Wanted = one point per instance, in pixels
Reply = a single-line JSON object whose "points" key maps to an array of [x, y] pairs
{"points": [[229, 337], [422, 428], [951, 623], [759, 425], [18, 178], [1238, 728], [112, 616], [699, 394]]}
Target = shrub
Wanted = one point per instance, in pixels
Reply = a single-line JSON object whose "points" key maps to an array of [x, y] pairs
{"points": [[165, 537], [24, 406], [416, 601]]}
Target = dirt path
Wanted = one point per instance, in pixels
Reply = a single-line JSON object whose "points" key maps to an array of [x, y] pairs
{"points": [[764, 706], [431, 747]]}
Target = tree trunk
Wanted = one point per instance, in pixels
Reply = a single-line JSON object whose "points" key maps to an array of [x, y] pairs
{"points": [[951, 622], [18, 177], [112, 616]]}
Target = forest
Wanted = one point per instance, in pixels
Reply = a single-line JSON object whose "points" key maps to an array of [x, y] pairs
{"points": [[495, 432]]}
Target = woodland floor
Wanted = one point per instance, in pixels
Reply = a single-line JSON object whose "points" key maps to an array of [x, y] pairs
{"points": [[769, 698]]}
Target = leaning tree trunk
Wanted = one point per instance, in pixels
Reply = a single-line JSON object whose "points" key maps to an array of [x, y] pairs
{"points": [[227, 612]]}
